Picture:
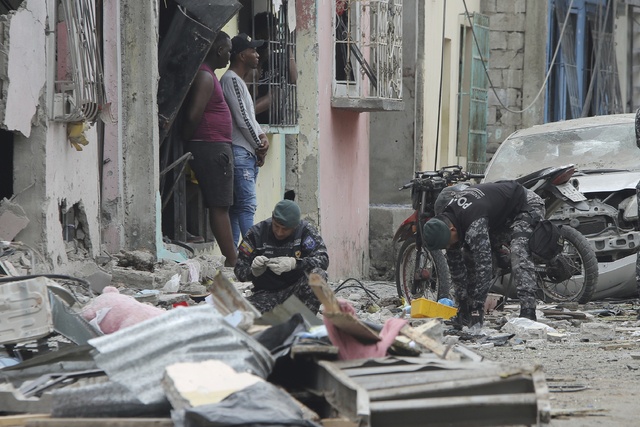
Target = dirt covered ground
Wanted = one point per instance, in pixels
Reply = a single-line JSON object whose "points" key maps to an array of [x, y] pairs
{"points": [[590, 354], [592, 382]]}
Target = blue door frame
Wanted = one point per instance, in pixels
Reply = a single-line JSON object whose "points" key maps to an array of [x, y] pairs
{"points": [[558, 105]]}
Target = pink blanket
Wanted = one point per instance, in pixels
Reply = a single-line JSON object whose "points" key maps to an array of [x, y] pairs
{"points": [[350, 348], [112, 311]]}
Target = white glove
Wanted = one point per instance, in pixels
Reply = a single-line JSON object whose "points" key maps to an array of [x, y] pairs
{"points": [[281, 264], [259, 265]]}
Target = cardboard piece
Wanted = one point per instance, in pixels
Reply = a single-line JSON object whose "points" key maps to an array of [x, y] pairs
{"points": [[342, 321], [358, 329]]}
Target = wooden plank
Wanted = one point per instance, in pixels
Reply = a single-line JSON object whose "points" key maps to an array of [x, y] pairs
{"points": [[100, 422], [338, 422], [19, 420], [318, 351], [228, 299], [619, 345], [343, 321], [429, 343]]}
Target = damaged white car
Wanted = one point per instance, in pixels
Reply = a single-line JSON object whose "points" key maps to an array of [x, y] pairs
{"points": [[604, 152]]}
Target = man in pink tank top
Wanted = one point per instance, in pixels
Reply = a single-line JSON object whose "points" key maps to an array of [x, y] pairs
{"points": [[206, 131]]}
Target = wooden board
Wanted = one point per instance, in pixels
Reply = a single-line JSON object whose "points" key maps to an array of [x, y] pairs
{"points": [[359, 330], [19, 420], [100, 422], [228, 299], [343, 321]]}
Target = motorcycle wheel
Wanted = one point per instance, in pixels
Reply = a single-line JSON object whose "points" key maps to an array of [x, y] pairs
{"points": [[434, 281], [579, 258]]}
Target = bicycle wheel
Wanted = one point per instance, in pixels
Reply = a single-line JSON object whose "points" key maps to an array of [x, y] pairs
{"points": [[431, 280]]}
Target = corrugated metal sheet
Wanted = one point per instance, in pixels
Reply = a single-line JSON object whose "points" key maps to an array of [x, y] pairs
{"points": [[26, 312], [428, 391], [136, 357]]}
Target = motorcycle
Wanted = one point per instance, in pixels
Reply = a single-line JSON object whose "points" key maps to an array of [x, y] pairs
{"points": [[421, 272], [573, 274], [570, 276]]}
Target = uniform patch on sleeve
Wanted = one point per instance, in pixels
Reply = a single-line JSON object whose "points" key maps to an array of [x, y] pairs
{"points": [[309, 243], [245, 248]]}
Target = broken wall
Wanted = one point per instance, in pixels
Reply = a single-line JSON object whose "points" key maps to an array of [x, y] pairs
{"points": [[51, 179]]}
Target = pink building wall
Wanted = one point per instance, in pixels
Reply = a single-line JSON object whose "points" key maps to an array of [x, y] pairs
{"points": [[344, 167]]}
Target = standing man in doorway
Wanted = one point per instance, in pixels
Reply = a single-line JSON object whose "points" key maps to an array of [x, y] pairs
{"points": [[207, 130], [250, 144]]}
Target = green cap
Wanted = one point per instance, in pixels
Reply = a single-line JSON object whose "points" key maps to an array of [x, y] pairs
{"points": [[436, 234], [287, 213]]}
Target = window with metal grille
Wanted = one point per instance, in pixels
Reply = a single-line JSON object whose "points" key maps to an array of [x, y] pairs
{"points": [[368, 55], [79, 91], [273, 85]]}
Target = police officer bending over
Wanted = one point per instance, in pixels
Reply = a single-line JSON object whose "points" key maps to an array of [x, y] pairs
{"points": [[277, 255], [464, 229]]}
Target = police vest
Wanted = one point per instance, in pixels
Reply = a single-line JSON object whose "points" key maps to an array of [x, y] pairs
{"points": [[496, 201]]}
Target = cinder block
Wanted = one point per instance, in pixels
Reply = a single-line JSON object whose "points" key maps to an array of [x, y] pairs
{"points": [[13, 219], [597, 332]]}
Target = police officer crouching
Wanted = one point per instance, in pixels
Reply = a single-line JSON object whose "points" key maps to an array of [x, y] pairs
{"points": [[465, 228], [277, 255]]}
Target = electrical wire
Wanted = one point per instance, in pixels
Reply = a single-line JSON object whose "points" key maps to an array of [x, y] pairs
{"points": [[360, 285], [551, 64]]}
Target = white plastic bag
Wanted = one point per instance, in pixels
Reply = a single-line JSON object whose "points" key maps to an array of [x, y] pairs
{"points": [[172, 284]]}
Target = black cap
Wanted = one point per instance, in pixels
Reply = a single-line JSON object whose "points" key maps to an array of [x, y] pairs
{"points": [[242, 41]]}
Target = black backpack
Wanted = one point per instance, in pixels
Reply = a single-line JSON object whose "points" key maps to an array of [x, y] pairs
{"points": [[546, 241]]}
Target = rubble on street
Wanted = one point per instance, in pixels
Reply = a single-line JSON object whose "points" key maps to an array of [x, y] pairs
{"points": [[133, 343]]}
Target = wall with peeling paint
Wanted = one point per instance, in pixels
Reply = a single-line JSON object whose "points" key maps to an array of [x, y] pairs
{"points": [[332, 164], [112, 182], [50, 176], [26, 46]]}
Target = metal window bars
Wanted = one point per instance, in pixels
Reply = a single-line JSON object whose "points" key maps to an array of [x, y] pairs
{"points": [[368, 38], [82, 96], [277, 73]]}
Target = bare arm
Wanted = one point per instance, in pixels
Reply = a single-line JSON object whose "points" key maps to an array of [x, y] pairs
{"points": [[197, 99], [263, 103], [293, 67]]}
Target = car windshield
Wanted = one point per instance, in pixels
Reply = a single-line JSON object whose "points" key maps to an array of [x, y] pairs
{"points": [[597, 147]]}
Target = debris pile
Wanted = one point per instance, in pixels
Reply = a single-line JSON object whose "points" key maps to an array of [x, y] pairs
{"points": [[189, 350]]}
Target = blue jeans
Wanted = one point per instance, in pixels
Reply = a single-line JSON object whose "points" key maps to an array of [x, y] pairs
{"points": [[245, 174]]}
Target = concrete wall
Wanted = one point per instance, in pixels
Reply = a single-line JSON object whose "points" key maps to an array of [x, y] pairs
{"points": [[112, 184], [517, 66], [138, 120], [393, 133], [50, 176], [270, 185]]}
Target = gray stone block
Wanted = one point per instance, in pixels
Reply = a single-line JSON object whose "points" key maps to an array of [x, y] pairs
{"points": [[593, 331], [13, 219]]}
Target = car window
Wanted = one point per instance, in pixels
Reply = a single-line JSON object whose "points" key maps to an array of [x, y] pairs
{"points": [[597, 147]]}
